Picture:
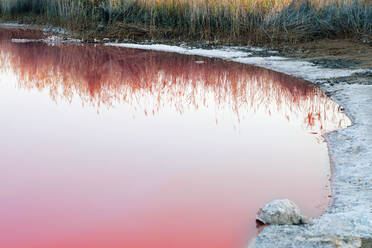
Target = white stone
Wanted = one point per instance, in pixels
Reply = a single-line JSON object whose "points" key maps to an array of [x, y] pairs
{"points": [[282, 212]]}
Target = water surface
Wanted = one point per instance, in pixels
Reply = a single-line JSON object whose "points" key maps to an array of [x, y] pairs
{"points": [[114, 147]]}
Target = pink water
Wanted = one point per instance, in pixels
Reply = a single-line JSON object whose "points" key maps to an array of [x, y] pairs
{"points": [[112, 147]]}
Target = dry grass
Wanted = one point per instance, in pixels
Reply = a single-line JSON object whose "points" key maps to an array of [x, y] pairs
{"points": [[230, 20]]}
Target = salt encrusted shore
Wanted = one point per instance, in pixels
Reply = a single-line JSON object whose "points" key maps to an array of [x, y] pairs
{"points": [[348, 221]]}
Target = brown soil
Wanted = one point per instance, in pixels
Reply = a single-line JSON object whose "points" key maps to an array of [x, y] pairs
{"points": [[340, 53]]}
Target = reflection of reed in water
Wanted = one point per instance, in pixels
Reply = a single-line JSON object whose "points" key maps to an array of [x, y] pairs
{"points": [[151, 81]]}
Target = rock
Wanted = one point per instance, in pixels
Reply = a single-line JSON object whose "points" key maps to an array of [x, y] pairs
{"points": [[282, 212]]}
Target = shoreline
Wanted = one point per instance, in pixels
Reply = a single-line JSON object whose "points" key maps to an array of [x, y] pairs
{"points": [[348, 220]]}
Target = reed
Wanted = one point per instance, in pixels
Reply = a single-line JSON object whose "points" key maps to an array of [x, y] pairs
{"points": [[230, 20]]}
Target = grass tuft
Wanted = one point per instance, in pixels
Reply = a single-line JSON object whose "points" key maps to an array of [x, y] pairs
{"points": [[229, 20]]}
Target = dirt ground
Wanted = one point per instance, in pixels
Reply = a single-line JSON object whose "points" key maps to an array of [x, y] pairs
{"points": [[344, 53], [340, 54]]}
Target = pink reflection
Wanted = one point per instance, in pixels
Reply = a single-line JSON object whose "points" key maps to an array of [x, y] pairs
{"points": [[170, 177], [149, 80]]}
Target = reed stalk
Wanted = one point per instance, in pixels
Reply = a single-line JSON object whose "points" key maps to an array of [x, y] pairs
{"points": [[273, 20]]}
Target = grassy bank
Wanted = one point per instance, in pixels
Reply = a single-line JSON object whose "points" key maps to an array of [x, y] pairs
{"points": [[237, 21]]}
